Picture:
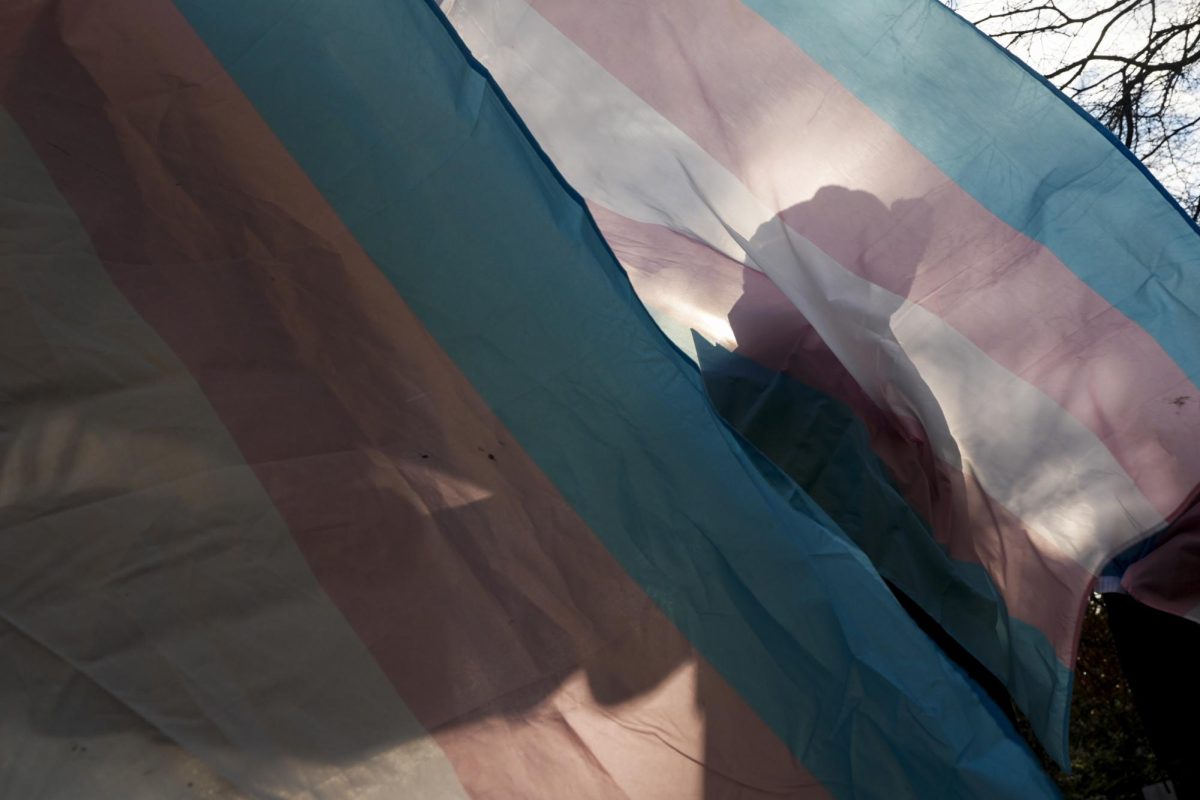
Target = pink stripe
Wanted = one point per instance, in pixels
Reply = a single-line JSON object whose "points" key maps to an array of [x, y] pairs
{"points": [[1169, 577], [780, 123], [501, 620], [674, 273]]}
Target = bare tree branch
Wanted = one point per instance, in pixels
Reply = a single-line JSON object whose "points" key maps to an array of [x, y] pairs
{"points": [[1133, 64]]}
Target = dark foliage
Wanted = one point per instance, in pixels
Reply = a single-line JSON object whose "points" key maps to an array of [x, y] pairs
{"points": [[1110, 754]]}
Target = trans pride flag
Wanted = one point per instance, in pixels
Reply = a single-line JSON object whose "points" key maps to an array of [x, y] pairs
{"points": [[961, 316], [340, 459]]}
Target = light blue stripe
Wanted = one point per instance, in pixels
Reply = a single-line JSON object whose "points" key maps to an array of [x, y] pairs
{"points": [[431, 172], [826, 449], [1033, 159]]}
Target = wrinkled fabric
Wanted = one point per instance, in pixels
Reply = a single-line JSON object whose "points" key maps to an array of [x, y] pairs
{"points": [[339, 459], [874, 201]]}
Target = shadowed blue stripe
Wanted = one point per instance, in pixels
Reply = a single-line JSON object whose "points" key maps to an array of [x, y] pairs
{"points": [[826, 450]]}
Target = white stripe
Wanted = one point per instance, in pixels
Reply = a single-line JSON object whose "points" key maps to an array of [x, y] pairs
{"points": [[140, 548], [1027, 452], [63, 736]]}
